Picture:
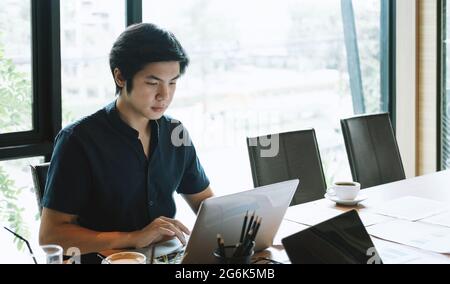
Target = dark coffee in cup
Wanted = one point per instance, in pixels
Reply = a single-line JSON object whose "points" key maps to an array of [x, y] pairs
{"points": [[345, 184]]}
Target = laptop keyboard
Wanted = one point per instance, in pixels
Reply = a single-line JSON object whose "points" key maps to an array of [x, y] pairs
{"points": [[171, 258]]}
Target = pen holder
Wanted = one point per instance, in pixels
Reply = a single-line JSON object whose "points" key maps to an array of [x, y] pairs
{"points": [[229, 258]]}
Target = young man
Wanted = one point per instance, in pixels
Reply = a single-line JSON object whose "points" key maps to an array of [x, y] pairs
{"points": [[112, 175]]}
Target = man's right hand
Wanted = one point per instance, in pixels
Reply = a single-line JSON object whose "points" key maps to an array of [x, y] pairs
{"points": [[160, 229]]}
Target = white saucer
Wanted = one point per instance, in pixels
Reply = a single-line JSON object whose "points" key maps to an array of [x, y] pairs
{"points": [[358, 199]]}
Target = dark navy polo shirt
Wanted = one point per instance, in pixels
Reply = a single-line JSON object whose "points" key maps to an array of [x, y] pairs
{"points": [[100, 173]]}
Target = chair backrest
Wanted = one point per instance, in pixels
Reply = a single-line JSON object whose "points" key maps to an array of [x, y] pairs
{"points": [[39, 173], [372, 149], [298, 157]]}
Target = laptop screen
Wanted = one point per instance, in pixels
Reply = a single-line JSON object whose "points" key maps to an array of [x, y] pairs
{"points": [[340, 240]]}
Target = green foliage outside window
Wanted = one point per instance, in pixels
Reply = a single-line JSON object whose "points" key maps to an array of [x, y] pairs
{"points": [[15, 98], [10, 212], [15, 109]]}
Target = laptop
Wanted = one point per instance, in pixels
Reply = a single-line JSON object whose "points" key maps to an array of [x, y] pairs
{"points": [[224, 215], [340, 240]]}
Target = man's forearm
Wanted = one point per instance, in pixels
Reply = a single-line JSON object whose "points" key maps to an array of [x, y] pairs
{"points": [[88, 241]]}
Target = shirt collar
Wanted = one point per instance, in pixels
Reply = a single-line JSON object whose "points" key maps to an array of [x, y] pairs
{"points": [[123, 127]]}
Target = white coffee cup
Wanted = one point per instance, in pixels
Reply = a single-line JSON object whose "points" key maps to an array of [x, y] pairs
{"points": [[345, 190], [126, 258]]}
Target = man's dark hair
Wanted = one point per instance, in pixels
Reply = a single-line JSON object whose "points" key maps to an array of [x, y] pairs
{"points": [[141, 44]]}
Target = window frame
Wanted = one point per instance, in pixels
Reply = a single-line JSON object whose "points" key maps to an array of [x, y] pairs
{"points": [[388, 58], [441, 75], [46, 87], [133, 12]]}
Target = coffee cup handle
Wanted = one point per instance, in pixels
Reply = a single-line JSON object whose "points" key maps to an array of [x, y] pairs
{"points": [[330, 191]]}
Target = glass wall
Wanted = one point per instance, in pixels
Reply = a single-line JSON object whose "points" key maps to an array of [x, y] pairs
{"points": [[260, 67], [88, 31]]}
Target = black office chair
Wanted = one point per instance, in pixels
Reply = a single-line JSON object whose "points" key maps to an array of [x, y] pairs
{"points": [[39, 173], [298, 157], [372, 150]]}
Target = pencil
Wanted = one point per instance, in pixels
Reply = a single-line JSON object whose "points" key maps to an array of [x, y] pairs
{"points": [[255, 223], [250, 223], [244, 225], [258, 224], [252, 237]]}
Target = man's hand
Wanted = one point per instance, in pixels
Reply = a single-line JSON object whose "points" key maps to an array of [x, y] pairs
{"points": [[160, 229]]}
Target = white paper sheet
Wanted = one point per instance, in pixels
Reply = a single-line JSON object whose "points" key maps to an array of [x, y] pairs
{"points": [[415, 234], [411, 208], [370, 219], [441, 219], [287, 228], [311, 215], [392, 253]]}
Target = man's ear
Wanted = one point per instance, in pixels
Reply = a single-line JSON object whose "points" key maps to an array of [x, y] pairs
{"points": [[120, 81]]}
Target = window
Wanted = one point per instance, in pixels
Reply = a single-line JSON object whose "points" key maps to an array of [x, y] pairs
{"points": [[15, 67], [271, 66], [88, 31]]}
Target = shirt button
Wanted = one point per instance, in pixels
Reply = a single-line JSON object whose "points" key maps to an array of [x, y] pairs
{"points": [[150, 203]]}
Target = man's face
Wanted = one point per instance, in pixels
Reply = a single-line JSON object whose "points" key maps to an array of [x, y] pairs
{"points": [[153, 89]]}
